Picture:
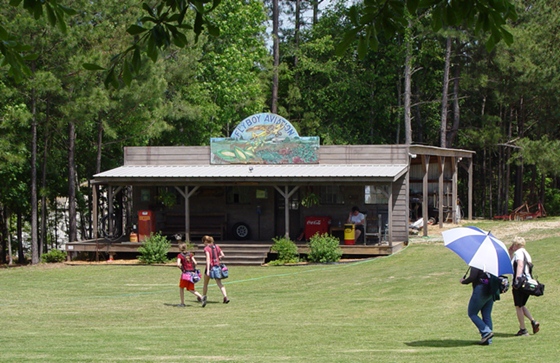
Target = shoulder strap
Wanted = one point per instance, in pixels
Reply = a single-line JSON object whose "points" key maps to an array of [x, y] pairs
{"points": [[466, 273], [214, 255], [527, 265]]}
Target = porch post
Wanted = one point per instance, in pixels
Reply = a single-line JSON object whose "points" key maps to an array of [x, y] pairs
{"points": [[454, 164], [286, 194], [425, 168], [94, 212], [95, 221], [390, 221], [110, 209], [441, 162], [187, 195]]}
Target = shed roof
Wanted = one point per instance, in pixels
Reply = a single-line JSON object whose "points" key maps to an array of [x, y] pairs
{"points": [[253, 172]]}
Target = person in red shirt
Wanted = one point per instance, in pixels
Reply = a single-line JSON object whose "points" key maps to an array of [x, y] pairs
{"points": [[187, 263], [213, 256]]}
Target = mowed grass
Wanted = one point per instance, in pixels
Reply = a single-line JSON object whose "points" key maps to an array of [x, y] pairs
{"points": [[408, 307]]}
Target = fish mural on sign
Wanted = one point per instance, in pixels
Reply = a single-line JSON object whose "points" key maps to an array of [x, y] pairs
{"points": [[264, 138]]}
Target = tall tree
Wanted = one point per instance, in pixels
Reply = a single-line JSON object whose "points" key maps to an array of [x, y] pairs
{"points": [[275, 54]]}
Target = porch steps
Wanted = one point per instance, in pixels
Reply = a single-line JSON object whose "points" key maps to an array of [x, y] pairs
{"points": [[238, 254]]}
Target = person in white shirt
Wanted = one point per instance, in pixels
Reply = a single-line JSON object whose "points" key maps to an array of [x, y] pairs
{"points": [[519, 256], [358, 220]]}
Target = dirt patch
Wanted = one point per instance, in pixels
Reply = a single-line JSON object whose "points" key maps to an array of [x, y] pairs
{"points": [[503, 230]]}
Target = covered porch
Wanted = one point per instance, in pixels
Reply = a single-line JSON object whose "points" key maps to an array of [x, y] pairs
{"points": [[237, 253]]}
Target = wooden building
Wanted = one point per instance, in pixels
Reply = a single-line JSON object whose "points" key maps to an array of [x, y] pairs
{"points": [[176, 189], [265, 181]]}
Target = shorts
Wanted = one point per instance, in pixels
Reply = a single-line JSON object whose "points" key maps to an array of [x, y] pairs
{"points": [[519, 297], [184, 284]]}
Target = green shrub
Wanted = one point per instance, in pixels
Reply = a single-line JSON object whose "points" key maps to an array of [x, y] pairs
{"points": [[53, 256], [154, 249], [324, 248], [287, 251]]}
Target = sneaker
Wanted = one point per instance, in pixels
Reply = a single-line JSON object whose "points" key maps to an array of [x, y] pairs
{"points": [[226, 300], [204, 301], [522, 333], [181, 305], [536, 326], [486, 338], [199, 299]]}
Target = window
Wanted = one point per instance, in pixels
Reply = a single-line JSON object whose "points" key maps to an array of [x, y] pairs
{"points": [[331, 194], [238, 195], [377, 193]]}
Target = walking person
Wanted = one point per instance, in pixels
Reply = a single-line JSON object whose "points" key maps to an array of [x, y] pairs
{"points": [[213, 254], [522, 265], [482, 301], [187, 263]]}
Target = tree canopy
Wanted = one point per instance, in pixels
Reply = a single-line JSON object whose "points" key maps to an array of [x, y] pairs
{"points": [[61, 123]]}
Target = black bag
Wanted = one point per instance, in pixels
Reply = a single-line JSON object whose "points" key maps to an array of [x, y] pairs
{"points": [[530, 286]]}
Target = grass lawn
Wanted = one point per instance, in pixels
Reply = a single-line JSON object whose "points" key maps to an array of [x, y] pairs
{"points": [[408, 307]]}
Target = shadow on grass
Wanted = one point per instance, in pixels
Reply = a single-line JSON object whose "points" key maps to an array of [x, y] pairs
{"points": [[442, 343], [453, 343], [187, 305]]}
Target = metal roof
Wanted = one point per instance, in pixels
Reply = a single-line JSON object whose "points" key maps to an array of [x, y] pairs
{"points": [[254, 172]]}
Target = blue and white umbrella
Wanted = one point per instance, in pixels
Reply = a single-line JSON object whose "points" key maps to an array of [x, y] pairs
{"points": [[479, 249]]}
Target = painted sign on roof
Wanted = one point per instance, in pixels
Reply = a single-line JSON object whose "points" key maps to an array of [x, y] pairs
{"points": [[264, 138], [267, 125]]}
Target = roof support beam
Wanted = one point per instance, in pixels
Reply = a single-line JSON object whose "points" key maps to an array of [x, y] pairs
{"points": [[187, 195], [425, 167], [286, 193], [441, 165]]}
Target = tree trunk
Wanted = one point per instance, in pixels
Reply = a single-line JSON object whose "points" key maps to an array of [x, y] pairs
{"points": [[21, 255], [316, 10], [43, 240], [297, 30], [407, 85], [456, 107], [507, 165], [276, 55], [3, 234], [72, 230], [518, 197], [7, 216], [419, 129], [34, 208], [444, 96]]}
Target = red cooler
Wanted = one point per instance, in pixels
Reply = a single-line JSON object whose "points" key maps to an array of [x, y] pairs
{"points": [[315, 224], [146, 224]]}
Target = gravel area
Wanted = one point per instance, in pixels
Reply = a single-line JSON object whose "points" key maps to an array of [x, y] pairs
{"points": [[503, 230]]}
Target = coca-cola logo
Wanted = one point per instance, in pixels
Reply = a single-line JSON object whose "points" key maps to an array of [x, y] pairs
{"points": [[314, 223]]}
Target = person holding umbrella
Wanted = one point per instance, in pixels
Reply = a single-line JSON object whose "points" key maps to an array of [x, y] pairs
{"points": [[486, 255], [482, 301], [522, 264]]}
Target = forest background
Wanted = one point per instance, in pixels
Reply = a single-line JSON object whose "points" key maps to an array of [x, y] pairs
{"points": [[84, 93]]}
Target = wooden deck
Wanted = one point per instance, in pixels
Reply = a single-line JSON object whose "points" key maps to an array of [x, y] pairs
{"points": [[237, 253]]}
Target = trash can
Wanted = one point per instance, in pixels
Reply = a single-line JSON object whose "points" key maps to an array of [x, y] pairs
{"points": [[349, 234], [316, 224], [146, 224]]}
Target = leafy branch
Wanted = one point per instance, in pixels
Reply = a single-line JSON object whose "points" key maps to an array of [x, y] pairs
{"points": [[370, 18], [163, 25]]}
